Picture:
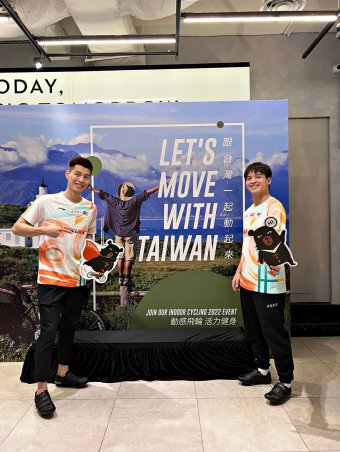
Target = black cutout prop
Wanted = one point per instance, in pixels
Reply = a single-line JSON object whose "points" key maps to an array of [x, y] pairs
{"points": [[99, 260], [271, 246]]}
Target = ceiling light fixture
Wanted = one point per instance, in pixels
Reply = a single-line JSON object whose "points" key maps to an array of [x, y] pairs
{"points": [[5, 19], [257, 16], [37, 62], [106, 40]]}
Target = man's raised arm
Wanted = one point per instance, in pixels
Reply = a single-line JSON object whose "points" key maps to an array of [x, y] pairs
{"points": [[152, 190]]}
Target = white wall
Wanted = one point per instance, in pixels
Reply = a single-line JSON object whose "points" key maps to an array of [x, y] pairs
{"points": [[7, 238]]}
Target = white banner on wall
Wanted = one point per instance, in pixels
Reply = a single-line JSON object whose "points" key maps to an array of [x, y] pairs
{"points": [[171, 84]]}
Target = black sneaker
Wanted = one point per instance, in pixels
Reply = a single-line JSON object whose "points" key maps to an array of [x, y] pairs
{"points": [[44, 404], [255, 378], [278, 394], [70, 380]]}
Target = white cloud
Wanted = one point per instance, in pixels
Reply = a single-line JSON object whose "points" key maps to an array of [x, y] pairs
{"points": [[28, 151], [259, 157], [276, 159], [8, 160], [125, 166], [48, 142], [86, 138], [82, 138], [31, 151]]}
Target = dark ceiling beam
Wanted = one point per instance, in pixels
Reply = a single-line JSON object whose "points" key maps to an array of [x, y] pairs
{"points": [[15, 42], [318, 39], [178, 25], [23, 28]]}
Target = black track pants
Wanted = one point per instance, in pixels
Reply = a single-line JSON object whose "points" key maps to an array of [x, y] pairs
{"points": [[263, 317], [59, 308]]}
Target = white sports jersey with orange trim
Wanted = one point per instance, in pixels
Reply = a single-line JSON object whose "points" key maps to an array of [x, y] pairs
{"points": [[59, 258], [255, 276]]}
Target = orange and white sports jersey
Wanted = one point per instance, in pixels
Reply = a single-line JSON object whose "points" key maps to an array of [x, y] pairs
{"points": [[59, 258], [255, 276]]}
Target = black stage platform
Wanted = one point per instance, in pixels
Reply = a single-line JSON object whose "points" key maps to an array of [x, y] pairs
{"points": [[315, 319], [163, 354]]}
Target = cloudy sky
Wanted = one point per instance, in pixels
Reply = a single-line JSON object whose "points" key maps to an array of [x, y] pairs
{"points": [[31, 130]]}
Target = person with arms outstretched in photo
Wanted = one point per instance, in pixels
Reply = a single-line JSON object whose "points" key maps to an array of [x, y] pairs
{"points": [[263, 290], [62, 221], [123, 219]]}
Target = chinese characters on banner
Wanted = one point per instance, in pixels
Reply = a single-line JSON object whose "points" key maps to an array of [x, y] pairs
{"points": [[228, 221]]}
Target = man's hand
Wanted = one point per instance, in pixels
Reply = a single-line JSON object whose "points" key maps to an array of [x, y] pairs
{"points": [[95, 190], [53, 230], [24, 229], [236, 281], [274, 270]]}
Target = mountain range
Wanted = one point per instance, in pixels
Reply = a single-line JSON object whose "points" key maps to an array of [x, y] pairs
{"points": [[20, 185]]}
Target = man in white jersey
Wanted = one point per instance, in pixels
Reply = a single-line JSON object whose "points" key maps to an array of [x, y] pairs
{"points": [[62, 221], [263, 290]]}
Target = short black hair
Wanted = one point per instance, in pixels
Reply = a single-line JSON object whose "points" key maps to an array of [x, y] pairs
{"points": [[258, 167], [82, 161]]}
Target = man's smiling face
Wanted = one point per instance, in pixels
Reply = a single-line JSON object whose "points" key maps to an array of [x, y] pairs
{"points": [[257, 183], [78, 178]]}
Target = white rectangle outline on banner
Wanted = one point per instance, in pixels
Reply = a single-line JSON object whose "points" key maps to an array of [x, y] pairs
{"points": [[139, 126], [125, 126]]}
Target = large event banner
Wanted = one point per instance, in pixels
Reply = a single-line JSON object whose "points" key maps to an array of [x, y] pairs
{"points": [[190, 233]]}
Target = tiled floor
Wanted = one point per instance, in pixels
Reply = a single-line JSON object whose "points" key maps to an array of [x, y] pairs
{"points": [[184, 416]]}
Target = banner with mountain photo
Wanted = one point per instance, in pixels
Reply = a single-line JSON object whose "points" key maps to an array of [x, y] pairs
{"points": [[190, 231]]}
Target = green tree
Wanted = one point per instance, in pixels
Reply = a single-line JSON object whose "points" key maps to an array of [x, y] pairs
{"points": [[18, 265], [9, 213]]}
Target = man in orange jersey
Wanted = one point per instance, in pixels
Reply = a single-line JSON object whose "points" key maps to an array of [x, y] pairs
{"points": [[62, 221], [263, 290]]}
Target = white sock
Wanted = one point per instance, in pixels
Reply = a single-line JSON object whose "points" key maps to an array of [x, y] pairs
{"points": [[264, 372], [288, 385]]}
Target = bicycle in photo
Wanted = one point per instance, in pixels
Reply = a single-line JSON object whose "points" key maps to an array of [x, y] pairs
{"points": [[19, 315]]}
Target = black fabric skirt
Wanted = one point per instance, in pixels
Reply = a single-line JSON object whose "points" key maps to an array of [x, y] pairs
{"points": [[159, 354]]}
